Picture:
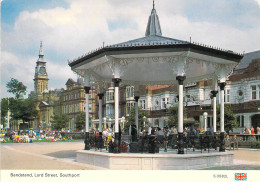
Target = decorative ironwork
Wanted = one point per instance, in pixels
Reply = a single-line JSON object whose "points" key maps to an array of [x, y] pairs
{"points": [[87, 141]]}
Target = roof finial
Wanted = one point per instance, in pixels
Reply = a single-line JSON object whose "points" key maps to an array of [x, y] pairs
{"points": [[153, 25], [41, 50]]}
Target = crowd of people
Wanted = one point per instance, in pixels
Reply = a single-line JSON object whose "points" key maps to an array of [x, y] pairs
{"points": [[251, 131], [108, 133], [28, 136]]}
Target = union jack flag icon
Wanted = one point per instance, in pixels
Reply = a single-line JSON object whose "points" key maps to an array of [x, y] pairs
{"points": [[240, 176]]}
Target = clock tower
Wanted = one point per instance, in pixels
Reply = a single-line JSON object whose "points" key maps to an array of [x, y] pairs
{"points": [[41, 76]]}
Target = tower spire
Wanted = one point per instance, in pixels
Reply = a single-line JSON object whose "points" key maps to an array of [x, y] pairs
{"points": [[41, 55], [41, 49], [153, 25]]}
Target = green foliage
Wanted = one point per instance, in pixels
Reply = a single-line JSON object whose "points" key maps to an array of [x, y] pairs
{"points": [[59, 121], [4, 109], [81, 121], [131, 119], [15, 87], [230, 121], [24, 110], [172, 112]]}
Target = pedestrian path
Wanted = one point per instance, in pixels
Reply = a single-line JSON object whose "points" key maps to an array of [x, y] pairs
{"points": [[12, 158]]}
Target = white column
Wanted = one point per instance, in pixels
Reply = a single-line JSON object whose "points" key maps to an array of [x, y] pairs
{"points": [[116, 108], [180, 109], [205, 117], [222, 111], [105, 124], [214, 114], [100, 112]]}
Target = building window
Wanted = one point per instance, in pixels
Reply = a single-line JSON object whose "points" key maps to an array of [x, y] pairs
{"points": [[156, 103], [253, 87], [109, 111], [240, 120], [109, 96], [258, 91], [90, 108], [142, 104], [129, 91], [165, 102], [227, 96], [129, 105]]}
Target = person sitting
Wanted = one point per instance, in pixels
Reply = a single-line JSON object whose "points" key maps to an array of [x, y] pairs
{"points": [[234, 142], [160, 136], [174, 131], [227, 142]]}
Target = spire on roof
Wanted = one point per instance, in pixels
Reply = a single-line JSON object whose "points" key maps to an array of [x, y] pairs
{"points": [[41, 49], [153, 25], [41, 52]]}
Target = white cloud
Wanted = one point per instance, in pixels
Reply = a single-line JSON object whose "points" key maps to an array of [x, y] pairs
{"points": [[258, 1], [18, 68], [85, 25]]}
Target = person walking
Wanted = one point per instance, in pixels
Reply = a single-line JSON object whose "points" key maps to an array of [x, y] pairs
{"points": [[252, 130]]}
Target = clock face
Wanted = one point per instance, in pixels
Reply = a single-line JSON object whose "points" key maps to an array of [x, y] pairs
{"points": [[42, 71]]}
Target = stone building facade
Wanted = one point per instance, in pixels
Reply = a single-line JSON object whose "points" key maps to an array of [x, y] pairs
{"points": [[73, 102]]}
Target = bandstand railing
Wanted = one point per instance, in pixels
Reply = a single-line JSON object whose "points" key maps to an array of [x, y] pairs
{"points": [[203, 142]]}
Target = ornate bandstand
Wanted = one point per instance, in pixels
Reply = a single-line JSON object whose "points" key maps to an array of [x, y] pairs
{"points": [[155, 60]]}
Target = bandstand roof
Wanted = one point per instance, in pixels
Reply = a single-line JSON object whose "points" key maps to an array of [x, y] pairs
{"points": [[152, 59]]}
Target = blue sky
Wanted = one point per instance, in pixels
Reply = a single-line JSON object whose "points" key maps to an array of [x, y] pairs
{"points": [[70, 28], [12, 8]]}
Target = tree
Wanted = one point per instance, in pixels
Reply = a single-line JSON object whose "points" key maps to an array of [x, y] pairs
{"points": [[81, 121], [131, 119], [172, 112], [230, 121], [59, 121], [24, 110], [16, 87], [4, 109]]}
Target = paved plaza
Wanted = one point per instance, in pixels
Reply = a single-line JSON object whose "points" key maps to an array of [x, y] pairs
{"points": [[62, 156]]}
